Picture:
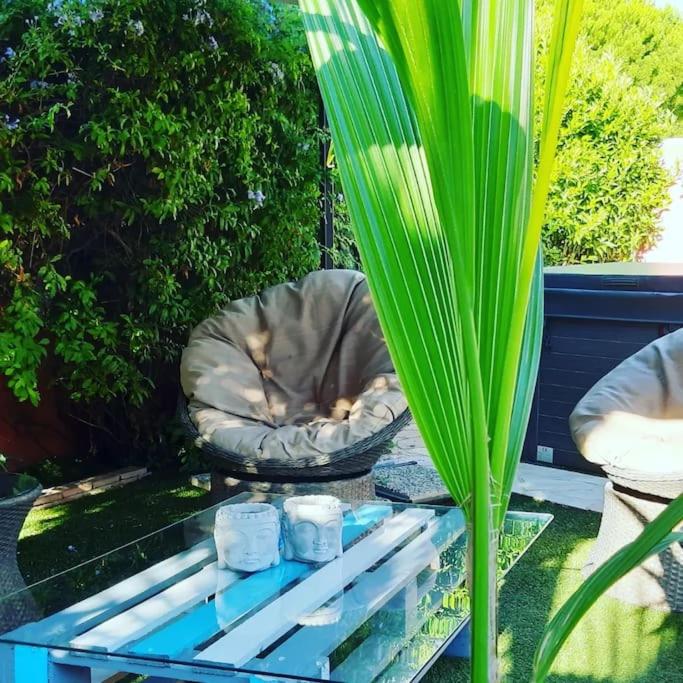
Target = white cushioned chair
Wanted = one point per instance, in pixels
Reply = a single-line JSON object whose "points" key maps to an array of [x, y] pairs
{"points": [[631, 424]]}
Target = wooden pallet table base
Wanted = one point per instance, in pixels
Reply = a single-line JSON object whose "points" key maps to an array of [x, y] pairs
{"points": [[381, 612]]}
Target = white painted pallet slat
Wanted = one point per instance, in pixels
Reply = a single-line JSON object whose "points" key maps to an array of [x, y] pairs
{"points": [[299, 654], [410, 660], [206, 618], [378, 650], [157, 610], [102, 606], [275, 619]]}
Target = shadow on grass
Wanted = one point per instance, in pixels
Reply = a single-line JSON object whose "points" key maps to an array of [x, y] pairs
{"points": [[61, 537]]}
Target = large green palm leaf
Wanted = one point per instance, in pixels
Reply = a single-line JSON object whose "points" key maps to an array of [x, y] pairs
{"points": [[388, 190], [430, 107]]}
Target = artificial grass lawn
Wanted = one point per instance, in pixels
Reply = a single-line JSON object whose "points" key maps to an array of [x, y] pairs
{"points": [[615, 642]]}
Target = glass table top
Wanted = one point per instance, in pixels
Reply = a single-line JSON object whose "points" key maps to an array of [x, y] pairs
{"points": [[381, 612]]}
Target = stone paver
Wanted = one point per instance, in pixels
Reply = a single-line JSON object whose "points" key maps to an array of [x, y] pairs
{"points": [[574, 489], [58, 494]]}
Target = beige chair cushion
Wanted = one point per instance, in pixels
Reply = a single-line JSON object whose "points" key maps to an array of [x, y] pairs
{"points": [[294, 374], [632, 418]]}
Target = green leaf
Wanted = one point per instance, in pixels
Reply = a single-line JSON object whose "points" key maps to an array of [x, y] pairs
{"points": [[654, 539], [430, 109], [387, 187]]}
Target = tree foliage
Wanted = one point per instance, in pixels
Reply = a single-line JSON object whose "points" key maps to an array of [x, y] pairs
{"points": [[609, 185], [157, 158], [646, 40]]}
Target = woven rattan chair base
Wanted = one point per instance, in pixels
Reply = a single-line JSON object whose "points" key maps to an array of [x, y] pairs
{"points": [[20, 608], [347, 462], [361, 487], [658, 582]]}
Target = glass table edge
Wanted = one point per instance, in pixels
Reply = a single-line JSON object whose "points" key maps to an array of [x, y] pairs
{"points": [[543, 518], [241, 497], [445, 644]]}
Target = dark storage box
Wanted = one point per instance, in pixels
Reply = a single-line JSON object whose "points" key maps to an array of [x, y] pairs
{"points": [[595, 317]]}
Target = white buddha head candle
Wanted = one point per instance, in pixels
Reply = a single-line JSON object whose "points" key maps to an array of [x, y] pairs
{"points": [[313, 528], [247, 537]]}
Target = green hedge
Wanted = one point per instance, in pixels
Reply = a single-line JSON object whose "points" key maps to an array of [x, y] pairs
{"points": [[157, 158], [646, 40], [609, 184]]}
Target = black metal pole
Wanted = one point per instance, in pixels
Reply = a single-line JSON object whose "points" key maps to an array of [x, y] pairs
{"points": [[326, 232]]}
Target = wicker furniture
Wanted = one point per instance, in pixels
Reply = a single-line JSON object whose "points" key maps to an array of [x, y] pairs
{"points": [[631, 424], [658, 582], [347, 476], [17, 494], [293, 391]]}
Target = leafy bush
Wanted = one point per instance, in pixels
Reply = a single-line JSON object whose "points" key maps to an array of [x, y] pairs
{"points": [[646, 40], [608, 181], [157, 158]]}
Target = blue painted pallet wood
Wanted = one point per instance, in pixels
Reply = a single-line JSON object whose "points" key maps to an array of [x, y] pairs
{"points": [[98, 608], [158, 610], [23, 663], [300, 653], [157, 672], [31, 664], [276, 618], [206, 620]]}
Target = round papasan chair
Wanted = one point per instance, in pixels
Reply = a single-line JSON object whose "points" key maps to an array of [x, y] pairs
{"points": [[631, 424], [294, 390]]}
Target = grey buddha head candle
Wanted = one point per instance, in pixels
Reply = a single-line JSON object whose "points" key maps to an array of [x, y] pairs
{"points": [[313, 528], [247, 537]]}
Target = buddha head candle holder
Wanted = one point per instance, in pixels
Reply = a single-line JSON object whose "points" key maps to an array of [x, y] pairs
{"points": [[313, 528], [247, 537]]}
